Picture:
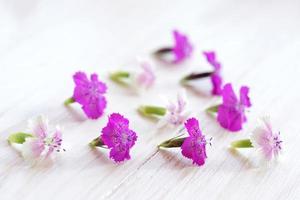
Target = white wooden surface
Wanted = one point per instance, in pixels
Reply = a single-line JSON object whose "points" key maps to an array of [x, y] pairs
{"points": [[42, 43]]}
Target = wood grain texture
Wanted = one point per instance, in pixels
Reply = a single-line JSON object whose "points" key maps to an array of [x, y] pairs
{"points": [[42, 43]]}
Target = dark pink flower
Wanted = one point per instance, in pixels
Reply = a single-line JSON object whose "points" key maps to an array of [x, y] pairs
{"points": [[231, 113], [90, 94], [194, 146], [182, 48], [216, 78], [118, 137]]}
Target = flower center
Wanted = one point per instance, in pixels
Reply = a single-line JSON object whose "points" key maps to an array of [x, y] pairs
{"points": [[277, 142], [124, 138], [93, 90], [54, 143]]}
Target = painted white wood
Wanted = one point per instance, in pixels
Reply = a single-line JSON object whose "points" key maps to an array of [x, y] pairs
{"points": [[42, 43]]}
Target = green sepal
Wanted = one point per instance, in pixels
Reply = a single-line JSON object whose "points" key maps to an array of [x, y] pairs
{"points": [[213, 109], [69, 101], [97, 142], [152, 110], [18, 138], [173, 142], [120, 77], [246, 143]]}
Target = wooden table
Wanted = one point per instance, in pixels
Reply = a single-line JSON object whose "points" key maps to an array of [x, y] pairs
{"points": [[42, 43]]}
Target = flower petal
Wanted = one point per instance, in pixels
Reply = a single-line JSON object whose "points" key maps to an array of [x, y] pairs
{"points": [[229, 97], [187, 148], [95, 108], [216, 80], [192, 126], [229, 118], [119, 153], [244, 98], [39, 127]]}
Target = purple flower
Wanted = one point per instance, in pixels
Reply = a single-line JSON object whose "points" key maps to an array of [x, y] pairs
{"points": [[118, 137], [182, 48], [231, 113], [194, 146], [267, 141], [90, 94], [216, 78]]}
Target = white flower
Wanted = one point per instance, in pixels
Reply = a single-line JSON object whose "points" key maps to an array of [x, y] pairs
{"points": [[266, 140], [145, 78], [177, 111], [41, 145]]}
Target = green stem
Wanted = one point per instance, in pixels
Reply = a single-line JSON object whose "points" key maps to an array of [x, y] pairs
{"points": [[18, 138], [212, 109], [69, 101], [152, 110], [172, 143], [119, 76], [246, 143], [97, 142]]}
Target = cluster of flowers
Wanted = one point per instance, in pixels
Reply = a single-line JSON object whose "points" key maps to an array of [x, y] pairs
{"points": [[38, 144]]}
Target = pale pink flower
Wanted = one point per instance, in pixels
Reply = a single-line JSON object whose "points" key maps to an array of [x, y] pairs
{"points": [[41, 145], [146, 77], [266, 140], [177, 111]]}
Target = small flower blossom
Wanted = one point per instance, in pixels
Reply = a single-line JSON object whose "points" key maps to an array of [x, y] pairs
{"points": [[266, 140], [90, 94], [142, 79], [147, 77], [118, 137], [182, 48], [41, 145], [231, 113], [176, 112], [194, 146], [216, 78]]}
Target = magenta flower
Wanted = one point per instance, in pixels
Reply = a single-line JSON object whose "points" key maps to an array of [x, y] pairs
{"points": [[89, 94], [231, 113], [117, 137], [215, 77], [266, 140], [182, 48], [193, 146]]}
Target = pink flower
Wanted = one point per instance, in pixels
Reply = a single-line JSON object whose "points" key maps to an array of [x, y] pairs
{"points": [[90, 94], [194, 146], [147, 77], [216, 78], [118, 137], [267, 141], [182, 48], [231, 113], [41, 144], [175, 112]]}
